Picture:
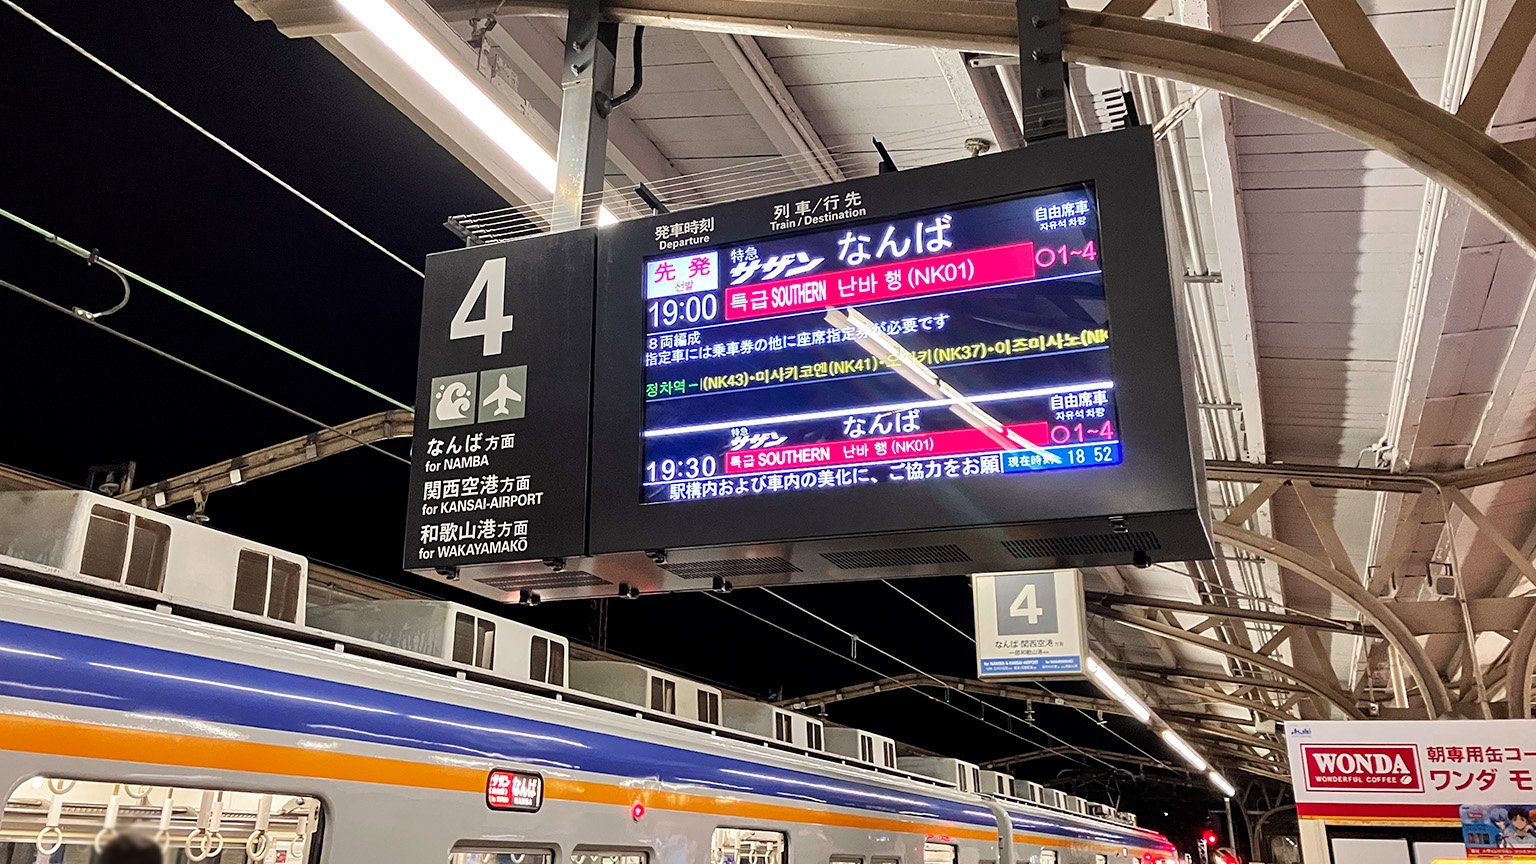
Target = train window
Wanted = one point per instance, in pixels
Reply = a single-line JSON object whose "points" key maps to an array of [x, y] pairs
{"points": [[538, 659], [267, 586], [963, 779], [939, 853], [709, 707], [146, 561], [283, 596], [464, 638], [744, 846], [485, 643], [474, 640], [890, 754], [586, 855], [59, 820], [663, 695], [488, 854], [781, 728], [813, 736], [976, 779], [556, 663], [106, 544], [251, 582]]}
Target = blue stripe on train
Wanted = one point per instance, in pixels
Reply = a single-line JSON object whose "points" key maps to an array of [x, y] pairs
{"points": [[83, 670]]}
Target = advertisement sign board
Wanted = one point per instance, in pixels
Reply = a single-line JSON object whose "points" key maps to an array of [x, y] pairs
{"points": [[1478, 775], [1029, 625]]}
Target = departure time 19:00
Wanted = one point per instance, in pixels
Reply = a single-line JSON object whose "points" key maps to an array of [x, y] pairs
{"points": [[690, 310]]}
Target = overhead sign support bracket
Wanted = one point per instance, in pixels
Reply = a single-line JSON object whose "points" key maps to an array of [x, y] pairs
{"points": [[585, 85], [1042, 70]]}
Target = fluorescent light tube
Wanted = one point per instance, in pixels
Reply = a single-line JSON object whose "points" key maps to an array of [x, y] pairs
{"points": [[1223, 785], [417, 51], [1111, 684], [1195, 760]]}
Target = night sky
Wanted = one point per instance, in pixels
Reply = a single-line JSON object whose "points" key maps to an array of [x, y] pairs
{"points": [[84, 156]]}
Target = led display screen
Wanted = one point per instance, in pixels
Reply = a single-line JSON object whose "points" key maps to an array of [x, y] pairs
{"points": [[951, 343]]}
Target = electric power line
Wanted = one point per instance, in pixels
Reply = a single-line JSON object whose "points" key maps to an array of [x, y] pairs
{"points": [[929, 696], [1010, 715], [198, 369], [81, 251], [207, 134]]}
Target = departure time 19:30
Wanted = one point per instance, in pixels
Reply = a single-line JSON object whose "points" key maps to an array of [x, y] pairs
{"points": [[692, 468]]}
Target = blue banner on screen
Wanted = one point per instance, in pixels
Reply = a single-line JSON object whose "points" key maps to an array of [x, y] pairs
{"points": [[954, 343]]}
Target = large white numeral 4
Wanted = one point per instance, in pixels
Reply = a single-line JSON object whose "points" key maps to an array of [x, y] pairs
{"points": [[1025, 606], [492, 282]]}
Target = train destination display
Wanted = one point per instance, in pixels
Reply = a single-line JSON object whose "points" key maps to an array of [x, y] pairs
{"points": [[949, 343]]}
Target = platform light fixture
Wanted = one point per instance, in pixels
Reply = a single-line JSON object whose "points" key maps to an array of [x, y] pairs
{"points": [[387, 25], [1179, 746], [1222, 784], [1110, 683]]}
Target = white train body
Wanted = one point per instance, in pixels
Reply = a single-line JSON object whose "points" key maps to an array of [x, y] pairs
{"points": [[958, 773], [82, 532], [648, 688], [222, 730], [774, 723], [455, 633], [860, 746]]}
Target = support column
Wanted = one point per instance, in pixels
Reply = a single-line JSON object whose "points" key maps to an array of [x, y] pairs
{"points": [[586, 84], [1314, 842]]}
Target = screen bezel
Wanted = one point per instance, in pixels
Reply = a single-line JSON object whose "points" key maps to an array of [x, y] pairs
{"points": [[1157, 472]]}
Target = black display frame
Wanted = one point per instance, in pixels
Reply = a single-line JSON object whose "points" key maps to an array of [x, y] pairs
{"points": [[1160, 471]]}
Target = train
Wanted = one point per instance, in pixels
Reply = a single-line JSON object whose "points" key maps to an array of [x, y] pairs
{"points": [[163, 677]]}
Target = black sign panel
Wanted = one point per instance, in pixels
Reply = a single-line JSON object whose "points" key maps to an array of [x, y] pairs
{"points": [[521, 791], [982, 343], [499, 452]]}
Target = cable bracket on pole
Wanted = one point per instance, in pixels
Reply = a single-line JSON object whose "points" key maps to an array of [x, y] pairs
{"points": [[1042, 70]]}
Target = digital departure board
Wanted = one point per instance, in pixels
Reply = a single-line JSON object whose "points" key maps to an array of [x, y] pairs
{"points": [[969, 367], [955, 342]]}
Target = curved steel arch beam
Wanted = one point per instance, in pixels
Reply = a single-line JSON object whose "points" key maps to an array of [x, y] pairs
{"points": [[1518, 668], [1314, 684], [1437, 701], [1419, 133], [1259, 708]]}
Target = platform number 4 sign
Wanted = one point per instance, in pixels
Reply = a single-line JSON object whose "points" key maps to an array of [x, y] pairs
{"points": [[1027, 604], [490, 283]]}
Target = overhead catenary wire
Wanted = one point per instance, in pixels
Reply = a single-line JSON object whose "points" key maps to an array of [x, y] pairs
{"points": [[187, 364], [973, 697], [77, 249], [230, 148], [872, 670]]}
